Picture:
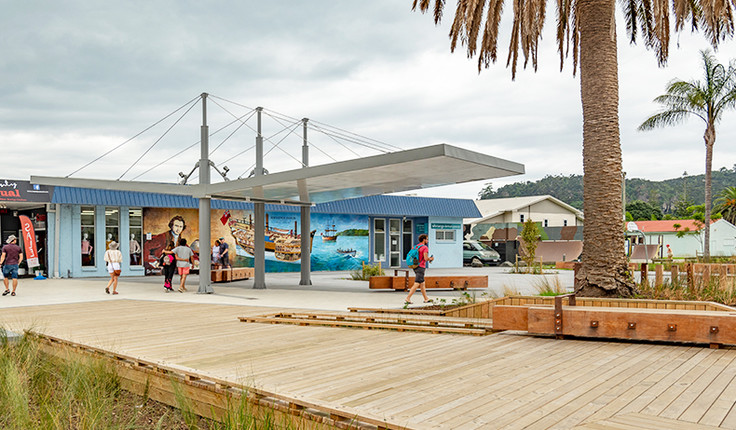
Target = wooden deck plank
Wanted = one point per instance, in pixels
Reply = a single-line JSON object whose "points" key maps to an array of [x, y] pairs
{"points": [[420, 380], [575, 411], [725, 402], [682, 382], [615, 399], [695, 401], [553, 399], [634, 421]]}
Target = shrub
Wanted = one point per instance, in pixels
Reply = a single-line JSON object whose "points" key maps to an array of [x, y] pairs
{"points": [[367, 271]]}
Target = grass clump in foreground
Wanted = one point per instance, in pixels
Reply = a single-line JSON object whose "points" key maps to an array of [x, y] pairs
{"points": [[702, 290], [40, 391]]}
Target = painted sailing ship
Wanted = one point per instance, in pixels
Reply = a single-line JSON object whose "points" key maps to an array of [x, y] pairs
{"points": [[330, 234], [284, 244]]}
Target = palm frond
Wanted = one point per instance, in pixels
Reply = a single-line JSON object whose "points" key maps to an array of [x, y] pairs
{"points": [[686, 10], [664, 118], [424, 6], [716, 20], [489, 44]]}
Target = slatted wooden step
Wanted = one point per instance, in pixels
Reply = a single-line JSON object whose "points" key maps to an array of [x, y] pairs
{"points": [[380, 321]]}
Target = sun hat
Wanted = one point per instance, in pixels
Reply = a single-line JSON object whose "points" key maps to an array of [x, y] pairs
{"points": [[113, 245], [10, 238]]}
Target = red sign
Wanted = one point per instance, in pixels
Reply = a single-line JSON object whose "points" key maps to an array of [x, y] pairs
{"points": [[29, 241], [225, 216]]}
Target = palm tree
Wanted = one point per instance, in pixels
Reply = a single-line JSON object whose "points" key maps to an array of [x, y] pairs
{"points": [[707, 100], [726, 204], [588, 29]]}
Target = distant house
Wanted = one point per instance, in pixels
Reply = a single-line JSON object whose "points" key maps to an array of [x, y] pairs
{"points": [[502, 219], [664, 232], [547, 210]]}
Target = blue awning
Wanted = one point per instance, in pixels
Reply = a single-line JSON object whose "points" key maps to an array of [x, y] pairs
{"points": [[380, 205]]}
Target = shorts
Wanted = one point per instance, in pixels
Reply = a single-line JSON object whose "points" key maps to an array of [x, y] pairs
{"points": [[419, 274], [10, 271], [111, 267], [183, 271]]}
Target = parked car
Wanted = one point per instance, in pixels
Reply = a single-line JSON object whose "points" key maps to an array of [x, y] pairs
{"points": [[476, 253]]}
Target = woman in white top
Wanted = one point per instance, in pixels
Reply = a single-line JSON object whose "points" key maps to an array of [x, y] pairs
{"points": [[114, 258]]}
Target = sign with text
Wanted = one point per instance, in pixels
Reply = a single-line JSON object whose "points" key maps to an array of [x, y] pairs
{"points": [[29, 241], [444, 226], [23, 191]]}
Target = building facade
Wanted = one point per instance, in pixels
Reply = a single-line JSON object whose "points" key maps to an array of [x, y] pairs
{"points": [[346, 234]]}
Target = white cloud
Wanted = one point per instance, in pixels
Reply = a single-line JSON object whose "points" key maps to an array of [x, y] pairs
{"points": [[81, 78]]}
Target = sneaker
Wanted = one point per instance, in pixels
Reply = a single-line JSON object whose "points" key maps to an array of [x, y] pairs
{"points": [[6, 292]]}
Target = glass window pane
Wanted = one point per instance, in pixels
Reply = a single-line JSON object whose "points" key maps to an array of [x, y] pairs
{"points": [[379, 225], [135, 218], [87, 218], [112, 221]]}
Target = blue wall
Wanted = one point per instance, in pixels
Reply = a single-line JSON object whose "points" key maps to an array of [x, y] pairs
{"points": [[447, 253]]}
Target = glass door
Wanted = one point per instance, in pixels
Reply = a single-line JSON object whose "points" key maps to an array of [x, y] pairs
{"points": [[394, 231], [379, 240], [407, 238]]}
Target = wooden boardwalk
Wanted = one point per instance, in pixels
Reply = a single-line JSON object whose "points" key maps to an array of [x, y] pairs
{"points": [[418, 380]]}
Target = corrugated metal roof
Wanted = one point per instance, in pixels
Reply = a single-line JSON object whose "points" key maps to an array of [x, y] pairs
{"points": [[402, 206], [371, 205]]}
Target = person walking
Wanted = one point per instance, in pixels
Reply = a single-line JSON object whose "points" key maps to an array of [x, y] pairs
{"points": [[11, 257], [184, 259], [424, 258], [114, 259], [224, 253], [216, 255], [168, 262]]}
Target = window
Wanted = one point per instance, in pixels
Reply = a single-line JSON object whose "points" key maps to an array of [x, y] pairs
{"points": [[407, 238], [521, 217], [394, 232], [112, 226], [135, 220], [445, 235], [87, 219], [564, 223], [546, 223], [379, 239]]}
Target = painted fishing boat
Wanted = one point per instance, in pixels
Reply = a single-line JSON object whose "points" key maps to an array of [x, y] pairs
{"points": [[330, 234], [284, 244], [289, 248]]}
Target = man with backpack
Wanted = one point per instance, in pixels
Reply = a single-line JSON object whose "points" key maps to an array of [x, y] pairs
{"points": [[419, 256]]}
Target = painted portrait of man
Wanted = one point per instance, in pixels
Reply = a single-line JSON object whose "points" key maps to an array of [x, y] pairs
{"points": [[153, 247]]}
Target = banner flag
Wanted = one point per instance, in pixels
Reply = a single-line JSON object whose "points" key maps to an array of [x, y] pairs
{"points": [[225, 216], [29, 241]]}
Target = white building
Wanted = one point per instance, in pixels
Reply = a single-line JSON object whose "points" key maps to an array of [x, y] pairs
{"points": [[547, 210], [663, 233]]}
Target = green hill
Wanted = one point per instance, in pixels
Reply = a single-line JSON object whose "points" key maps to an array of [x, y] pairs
{"points": [[664, 194]]}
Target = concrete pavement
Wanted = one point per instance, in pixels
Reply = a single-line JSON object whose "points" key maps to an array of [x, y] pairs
{"points": [[330, 290]]}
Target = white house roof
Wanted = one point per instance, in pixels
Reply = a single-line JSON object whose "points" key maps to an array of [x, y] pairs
{"points": [[491, 208]]}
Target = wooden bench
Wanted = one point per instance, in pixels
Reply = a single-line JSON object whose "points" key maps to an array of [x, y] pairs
{"points": [[405, 282], [710, 327], [231, 274]]}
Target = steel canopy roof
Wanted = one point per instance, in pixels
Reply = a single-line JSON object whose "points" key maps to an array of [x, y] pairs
{"points": [[411, 169]]}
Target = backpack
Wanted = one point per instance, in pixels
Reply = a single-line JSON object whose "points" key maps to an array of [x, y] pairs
{"points": [[412, 257]]}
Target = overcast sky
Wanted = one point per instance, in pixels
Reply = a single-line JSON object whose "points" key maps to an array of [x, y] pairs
{"points": [[78, 78]]}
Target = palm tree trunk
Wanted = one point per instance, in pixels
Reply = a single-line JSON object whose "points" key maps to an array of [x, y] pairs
{"points": [[604, 271], [710, 140]]}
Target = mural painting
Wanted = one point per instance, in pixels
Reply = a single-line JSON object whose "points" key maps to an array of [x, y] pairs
{"points": [[339, 242], [161, 225]]}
